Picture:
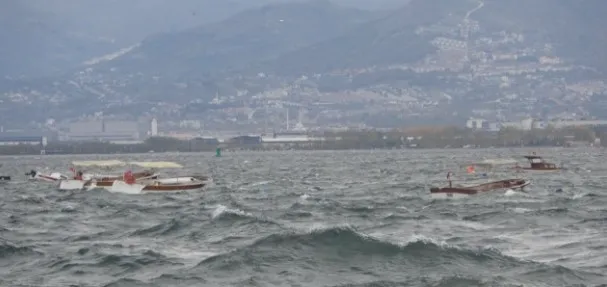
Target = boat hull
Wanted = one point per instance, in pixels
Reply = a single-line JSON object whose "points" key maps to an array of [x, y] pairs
{"points": [[175, 187], [541, 169], [472, 190], [53, 177], [175, 184]]}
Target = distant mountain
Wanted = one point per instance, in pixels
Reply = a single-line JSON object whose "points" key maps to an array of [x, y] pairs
{"points": [[572, 28], [317, 37], [35, 43], [431, 59], [128, 22], [389, 40], [46, 38], [250, 36]]}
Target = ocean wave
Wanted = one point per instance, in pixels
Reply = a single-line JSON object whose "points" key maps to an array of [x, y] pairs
{"points": [[449, 281], [116, 265], [8, 250], [399, 217], [343, 247], [296, 214], [223, 214], [126, 282], [272, 222], [161, 229]]}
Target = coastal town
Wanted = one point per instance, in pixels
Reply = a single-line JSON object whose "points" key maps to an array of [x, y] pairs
{"points": [[466, 76]]}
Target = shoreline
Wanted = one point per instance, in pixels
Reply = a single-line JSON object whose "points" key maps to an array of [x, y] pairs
{"points": [[445, 138], [292, 150]]}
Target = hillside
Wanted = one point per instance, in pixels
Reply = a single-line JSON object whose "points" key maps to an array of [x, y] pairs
{"points": [[250, 36], [47, 38], [572, 28], [429, 61], [36, 43], [128, 22]]}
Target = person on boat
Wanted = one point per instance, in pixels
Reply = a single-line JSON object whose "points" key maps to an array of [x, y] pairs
{"points": [[128, 177], [79, 175], [449, 179]]}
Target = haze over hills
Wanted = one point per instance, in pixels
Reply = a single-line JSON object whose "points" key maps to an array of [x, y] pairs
{"points": [[48, 37], [430, 60], [252, 35], [36, 43]]}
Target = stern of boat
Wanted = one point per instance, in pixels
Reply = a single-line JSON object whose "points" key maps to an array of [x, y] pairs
{"points": [[71, 184]]}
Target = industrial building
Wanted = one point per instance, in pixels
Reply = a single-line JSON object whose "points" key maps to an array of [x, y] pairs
{"points": [[35, 140], [103, 130], [530, 123], [289, 137], [18, 140]]}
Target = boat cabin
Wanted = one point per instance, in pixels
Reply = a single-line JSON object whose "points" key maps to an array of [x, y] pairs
{"points": [[538, 162]]}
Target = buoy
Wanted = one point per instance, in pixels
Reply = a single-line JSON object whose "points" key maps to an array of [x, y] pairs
{"points": [[218, 152]]}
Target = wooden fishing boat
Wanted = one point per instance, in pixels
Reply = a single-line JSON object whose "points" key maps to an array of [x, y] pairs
{"points": [[4, 178], [173, 184], [478, 178], [537, 163], [130, 185], [463, 191]]}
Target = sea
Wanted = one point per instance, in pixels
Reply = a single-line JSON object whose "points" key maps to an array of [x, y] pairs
{"points": [[310, 218]]}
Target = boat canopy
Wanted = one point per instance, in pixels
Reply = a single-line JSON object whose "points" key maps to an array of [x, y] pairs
{"points": [[493, 162], [99, 163], [532, 157], [156, 164]]}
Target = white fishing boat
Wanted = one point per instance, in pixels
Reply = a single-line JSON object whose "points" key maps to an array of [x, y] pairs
{"points": [[34, 175], [86, 180]]}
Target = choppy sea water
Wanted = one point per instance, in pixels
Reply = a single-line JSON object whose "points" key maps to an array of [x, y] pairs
{"points": [[349, 218]]}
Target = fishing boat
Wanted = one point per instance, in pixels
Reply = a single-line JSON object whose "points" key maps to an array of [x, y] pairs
{"points": [[82, 180], [478, 179], [4, 178], [464, 191], [537, 163], [172, 184]]}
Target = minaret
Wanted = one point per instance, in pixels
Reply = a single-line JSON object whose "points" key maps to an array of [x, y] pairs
{"points": [[154, 127], [287, 119]]}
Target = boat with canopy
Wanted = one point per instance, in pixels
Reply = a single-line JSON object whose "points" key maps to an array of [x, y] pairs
{"points": [[81, 179], [537, 163]]}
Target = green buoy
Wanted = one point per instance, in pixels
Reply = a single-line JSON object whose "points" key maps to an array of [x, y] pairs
{"points": [[218, 152]]}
